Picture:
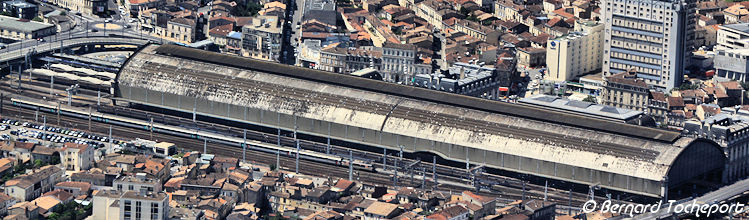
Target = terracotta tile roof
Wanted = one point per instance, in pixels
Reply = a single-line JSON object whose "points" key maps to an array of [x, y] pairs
{"points": [[25, 145], [80, 147], [731, 85], [83, 186], [675, 101], [60, 194], [658, 96], [564, 12], [627, 78]]}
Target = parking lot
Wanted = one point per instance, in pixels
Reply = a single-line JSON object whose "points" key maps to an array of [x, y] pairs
{"points": [[21, 131]]}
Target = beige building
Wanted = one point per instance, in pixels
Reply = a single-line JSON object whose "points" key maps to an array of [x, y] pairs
{"points": [[531, 56], [27, 187], [349, 60], [181, 30], [105, 206], [77, 157], [14, 28], [154, 206], [262, 38], [435, 11], [87, 7], [625, 90], [573, 55]]}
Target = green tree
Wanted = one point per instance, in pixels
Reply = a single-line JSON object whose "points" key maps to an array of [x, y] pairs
{"points": [[590, 98], [38, 163], [273, 167], [38, 19]]}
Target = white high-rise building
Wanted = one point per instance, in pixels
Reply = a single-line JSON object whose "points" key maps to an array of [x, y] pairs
{"points": [[577, 53], [651, 37]]}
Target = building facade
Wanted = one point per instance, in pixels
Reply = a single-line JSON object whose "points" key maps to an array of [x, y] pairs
{"points": [[262, 38], [349, 60], [732, 64], [650, 37], [397, 62], [18, 29], [30, 186], [573, 55], [733, 36], [77, 157], [87, 7], [20, 9], [134, 205], [625, 90]]}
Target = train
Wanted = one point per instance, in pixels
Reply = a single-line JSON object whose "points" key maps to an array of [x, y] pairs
{"points": [[193, 134]]}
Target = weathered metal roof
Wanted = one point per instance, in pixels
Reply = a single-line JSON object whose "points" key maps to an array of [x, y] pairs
{"points": [[494, 126]]}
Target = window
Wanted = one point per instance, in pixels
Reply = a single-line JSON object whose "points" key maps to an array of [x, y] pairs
{"points": [[154, 210], [128, 208]]}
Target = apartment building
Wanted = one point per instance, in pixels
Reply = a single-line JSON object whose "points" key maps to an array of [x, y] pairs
{"points": [[733, 36], [87, 7], [625, 90], [135, 205], [349, 60], [181, 30], [138, 183], [653, 38], [398, 61], [77, 157], [436, 11], [262, 38], [573, 55], [27, 187]]}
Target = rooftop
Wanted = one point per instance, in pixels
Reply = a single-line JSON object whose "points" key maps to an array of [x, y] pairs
{"points": [[550, 135], [21, 25]]}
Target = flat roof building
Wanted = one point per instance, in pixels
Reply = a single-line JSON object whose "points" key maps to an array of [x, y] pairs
{"points": [[17, 29]]}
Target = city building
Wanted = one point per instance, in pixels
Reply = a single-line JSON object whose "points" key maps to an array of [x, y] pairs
{"points": [[106, 205], [731, 64], [531, 56], [348, 60], [182, 30], [137, 183], [398, 61], [463, 78], [20, 9], [27, 187], [575, 54], [436, 11], [262, 38], [87, 7], [625, 90], [74, 188], [17, 29], [653, 38], [137, 205], [729, 130], [77, 157], [733, 36]]}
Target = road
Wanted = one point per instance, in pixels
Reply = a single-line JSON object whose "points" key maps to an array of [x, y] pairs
{"points": [[47, 46]]}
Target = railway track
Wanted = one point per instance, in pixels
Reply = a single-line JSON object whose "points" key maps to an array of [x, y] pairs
{"points": [[511, 189]]}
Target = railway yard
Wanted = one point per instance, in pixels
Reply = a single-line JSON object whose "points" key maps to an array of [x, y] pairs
{"points": [[449, 178]]}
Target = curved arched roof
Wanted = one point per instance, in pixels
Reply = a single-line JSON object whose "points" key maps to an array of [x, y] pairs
{"points": [[494, 126]]}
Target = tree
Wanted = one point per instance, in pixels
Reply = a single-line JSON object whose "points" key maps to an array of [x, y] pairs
{"points": [[38, 163], [37, 19], [590, 98], [273, 167]]}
